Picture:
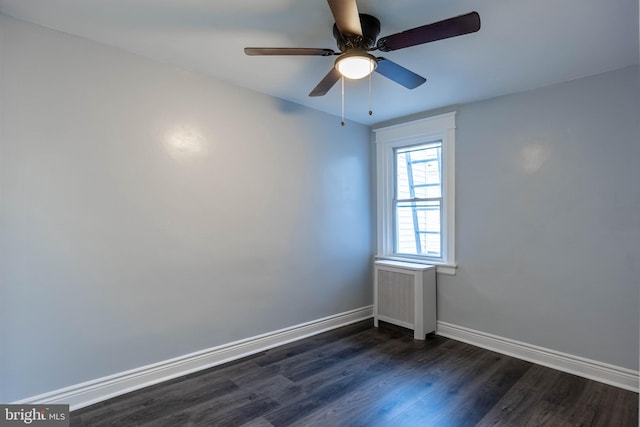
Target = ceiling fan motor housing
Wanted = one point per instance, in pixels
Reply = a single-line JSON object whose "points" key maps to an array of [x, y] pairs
{"points": [[370, 31]]}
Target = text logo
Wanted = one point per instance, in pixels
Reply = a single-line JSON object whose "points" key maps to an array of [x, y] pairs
{"points": [[34, 415]]}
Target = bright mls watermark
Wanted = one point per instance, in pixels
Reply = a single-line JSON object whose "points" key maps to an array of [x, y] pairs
{"points": [[34, 415]]}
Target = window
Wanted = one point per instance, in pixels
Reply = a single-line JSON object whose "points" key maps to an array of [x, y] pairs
{"points": [[418, 200], [415, 188]]}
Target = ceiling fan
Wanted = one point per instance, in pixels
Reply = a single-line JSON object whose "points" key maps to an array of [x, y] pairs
{"points": [[356, 35]]}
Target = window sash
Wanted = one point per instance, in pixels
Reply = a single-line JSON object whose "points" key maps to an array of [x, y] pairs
{"points": [[417, 230], [404, 178]]}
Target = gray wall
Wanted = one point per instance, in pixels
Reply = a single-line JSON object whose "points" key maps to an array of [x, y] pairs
{"points": [[148, 212], [548, 218]]}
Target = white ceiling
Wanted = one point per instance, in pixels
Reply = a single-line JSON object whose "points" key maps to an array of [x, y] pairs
{"points": [[521, 45]]}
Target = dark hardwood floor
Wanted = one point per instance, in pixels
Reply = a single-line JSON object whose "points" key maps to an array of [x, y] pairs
{"points": [[362, 376]]}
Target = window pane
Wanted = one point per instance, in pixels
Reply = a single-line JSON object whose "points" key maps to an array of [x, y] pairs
{"points": [[418, 172], [418, 228]]}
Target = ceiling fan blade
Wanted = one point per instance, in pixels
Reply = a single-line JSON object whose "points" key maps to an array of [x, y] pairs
{"points": [[326, 83], [345, 13], [452, 27], [288, 51], [399, 74]]}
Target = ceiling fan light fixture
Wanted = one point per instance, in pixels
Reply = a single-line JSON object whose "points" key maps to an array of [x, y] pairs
{"points": [[356, 65]]}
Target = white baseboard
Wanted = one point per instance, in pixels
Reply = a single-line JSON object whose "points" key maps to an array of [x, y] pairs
{"points": [[598, 371], [90, 392]]}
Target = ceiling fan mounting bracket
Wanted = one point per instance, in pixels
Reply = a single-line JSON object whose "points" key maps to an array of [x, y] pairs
{"points": [[367, 41]]}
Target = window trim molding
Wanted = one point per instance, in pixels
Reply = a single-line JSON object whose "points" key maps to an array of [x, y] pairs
{"points": [[441, 127]]}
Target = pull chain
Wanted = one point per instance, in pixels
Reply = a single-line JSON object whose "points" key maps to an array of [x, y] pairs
{"points": [[370, 111], [342, 81]]}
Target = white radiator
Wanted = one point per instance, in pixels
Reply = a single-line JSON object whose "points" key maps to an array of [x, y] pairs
{"points": [[405, 295]]}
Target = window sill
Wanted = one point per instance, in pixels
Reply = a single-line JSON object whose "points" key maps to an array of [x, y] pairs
{"points": [[448, 269]]}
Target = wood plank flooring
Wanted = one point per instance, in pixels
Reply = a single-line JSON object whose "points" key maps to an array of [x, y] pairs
{"points": [[363, 376]]}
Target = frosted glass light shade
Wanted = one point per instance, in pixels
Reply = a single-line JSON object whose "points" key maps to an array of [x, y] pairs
{"points": [[356, 66]]}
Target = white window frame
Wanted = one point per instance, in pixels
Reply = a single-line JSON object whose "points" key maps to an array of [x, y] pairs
{"points": [[387, 139]]}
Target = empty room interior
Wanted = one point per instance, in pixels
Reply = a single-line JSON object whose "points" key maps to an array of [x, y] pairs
{"points": [[320, 213]]}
